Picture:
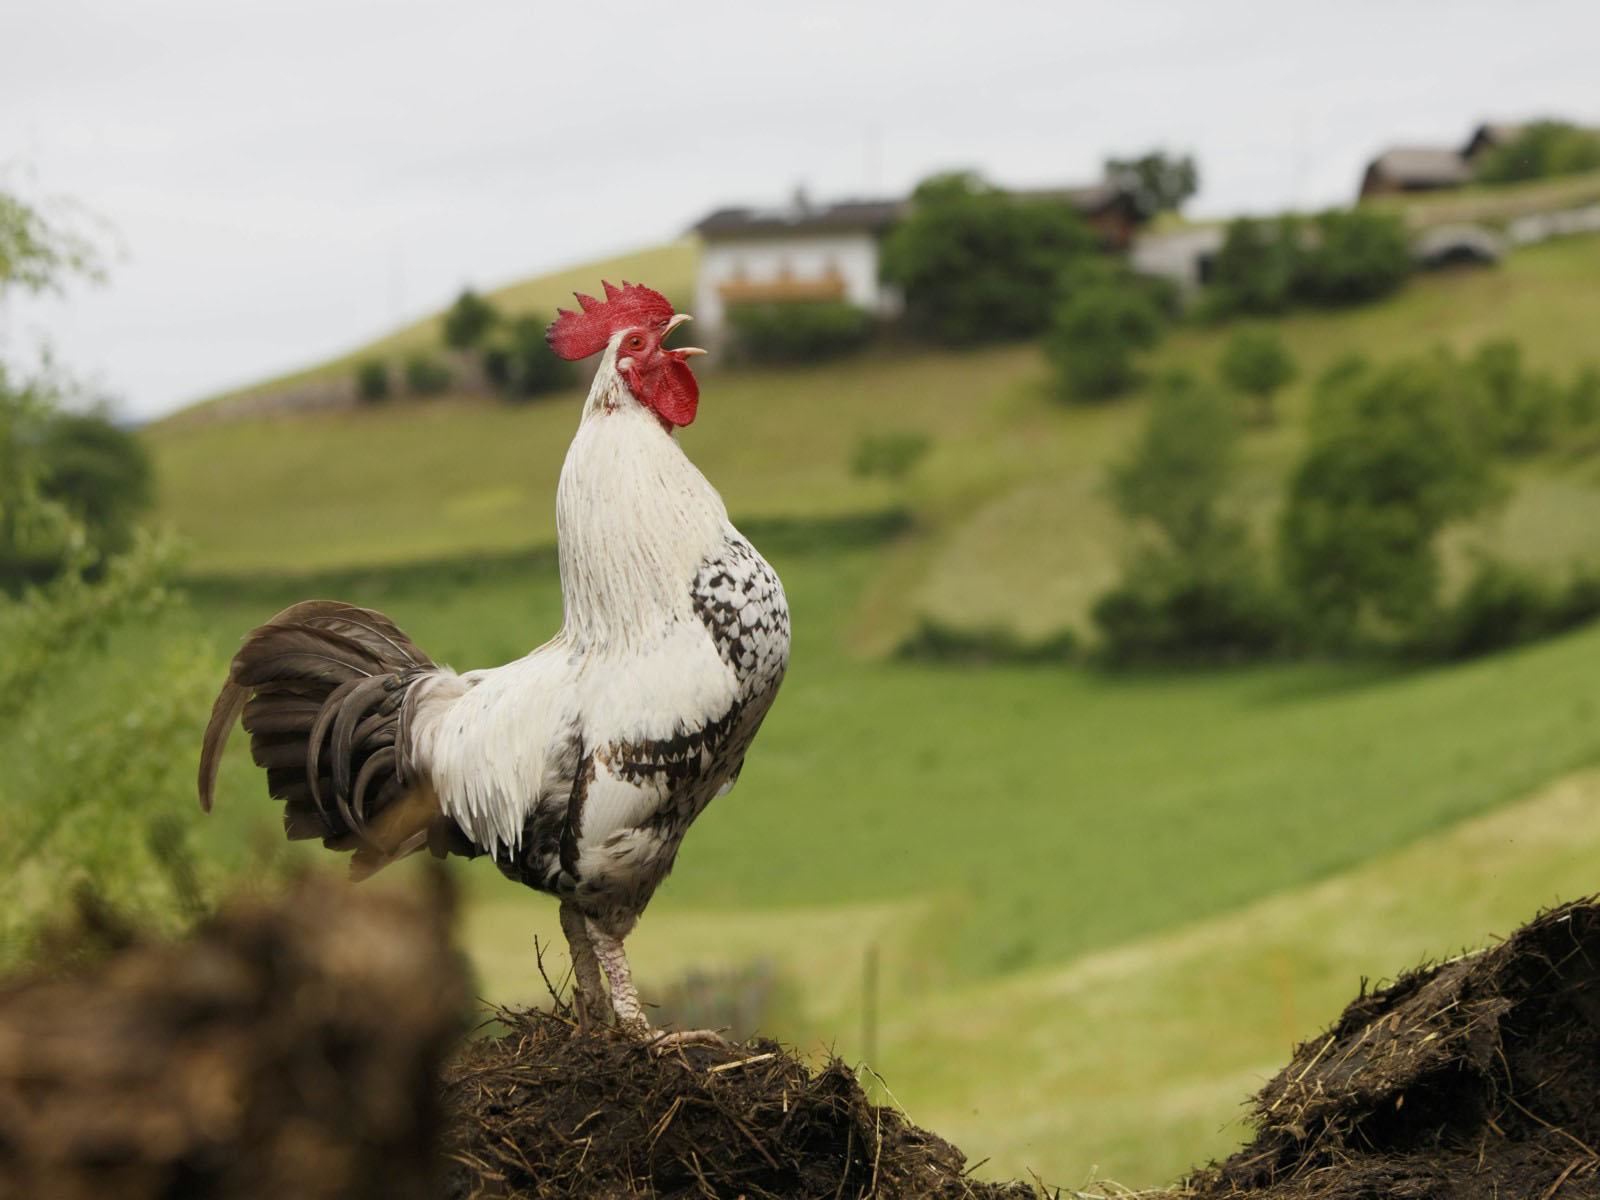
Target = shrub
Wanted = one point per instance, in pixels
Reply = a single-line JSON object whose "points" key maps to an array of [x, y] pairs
{"points": [[1542, 150], [1506, 606], [372, 380], [1353, 255], [101, 474], [426, 375], [522, 364], [801, 332], [1171, 610], [1255, 363], [1255, 267], [1342, 256], [889, 455], [979, 265], [1196, 592], [1583, 399], [935, 641], [1097, 332], [1393, 456], [469, 320], [1521, 409]]}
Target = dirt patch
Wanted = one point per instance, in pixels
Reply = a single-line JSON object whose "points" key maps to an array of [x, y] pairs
{"points": [[1476, 1078], [546, 1112], [288, 1049]]}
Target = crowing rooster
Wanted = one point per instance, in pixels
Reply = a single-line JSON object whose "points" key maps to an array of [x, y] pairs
{"points": [[579, 768]]}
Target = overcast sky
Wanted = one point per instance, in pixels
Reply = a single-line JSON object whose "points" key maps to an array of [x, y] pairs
{"points": [[289, 179]]}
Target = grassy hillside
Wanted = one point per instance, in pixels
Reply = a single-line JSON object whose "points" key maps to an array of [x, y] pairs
{"points": [[1104, 906], [1016, 530], [670, 269]]}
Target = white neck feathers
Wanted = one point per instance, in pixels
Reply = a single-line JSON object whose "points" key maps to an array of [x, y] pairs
{"points": [[634, 519]]}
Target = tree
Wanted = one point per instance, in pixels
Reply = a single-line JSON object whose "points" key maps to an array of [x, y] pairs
{"points": [[1256, 266], [1255, 363], [1159, 182], [522, 363], [101, 474], [372, 380], [1352, 256], [1195, 590], [977, 264], [1394, 455], [1097, 332], [469, 321], [1542, 150]]}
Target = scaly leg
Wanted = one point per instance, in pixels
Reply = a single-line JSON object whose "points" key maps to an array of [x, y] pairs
{"points": [[625, 998], [588, 993]]}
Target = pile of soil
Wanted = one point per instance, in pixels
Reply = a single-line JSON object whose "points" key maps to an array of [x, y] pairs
{"points": [[547, 1112], [1476, 1078], [289, 1048]]}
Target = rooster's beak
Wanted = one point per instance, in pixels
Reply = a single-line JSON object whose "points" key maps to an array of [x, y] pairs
{"points": [[682, 351]]}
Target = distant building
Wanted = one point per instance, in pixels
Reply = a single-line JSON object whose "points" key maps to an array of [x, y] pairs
{"points": [[1415, 169], [806, 251], [1185, 256], [801, 252]]}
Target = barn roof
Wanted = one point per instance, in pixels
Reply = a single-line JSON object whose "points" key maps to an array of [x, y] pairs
{"points": [[1422, 166], [845, 216]]}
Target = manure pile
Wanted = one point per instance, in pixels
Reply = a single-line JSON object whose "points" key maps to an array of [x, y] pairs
{"points": [[547, 1112], [1479, 1078], [300, 1048]]}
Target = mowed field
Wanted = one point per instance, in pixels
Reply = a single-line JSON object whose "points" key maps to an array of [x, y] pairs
{"points": [[1104, 907]]}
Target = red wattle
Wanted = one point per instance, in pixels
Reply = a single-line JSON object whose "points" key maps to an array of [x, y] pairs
{"points": [[673, 392]]}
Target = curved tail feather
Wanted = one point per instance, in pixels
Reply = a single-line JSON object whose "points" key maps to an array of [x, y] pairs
{"points": [[327, 692]]}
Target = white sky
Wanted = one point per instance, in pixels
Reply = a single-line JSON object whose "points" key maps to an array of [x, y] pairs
{"points": [[291, 178]]}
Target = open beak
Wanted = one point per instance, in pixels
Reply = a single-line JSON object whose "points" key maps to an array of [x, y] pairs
{"points": [[682, 351]]}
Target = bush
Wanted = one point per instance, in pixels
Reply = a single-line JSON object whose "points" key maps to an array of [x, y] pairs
{"points": [[469, 321], [1255, 363], [1506, 606], [522, 364], [372, 380], [1394, 455], [979, 265], [1542, 150], [99, 473], [1522, 410], [1353, 256], [426, 375], [1097, 332], [1196, 592], [800, 332], [934, 641], [889, 455], [1255, 268], [1583, 399], [1340, 257], [1171, 610]]}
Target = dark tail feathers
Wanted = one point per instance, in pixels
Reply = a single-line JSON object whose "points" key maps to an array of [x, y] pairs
{"points": [[326, 692]]}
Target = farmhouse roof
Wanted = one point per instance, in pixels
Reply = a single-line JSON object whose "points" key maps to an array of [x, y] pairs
{"points": [[1491, 133], [1422, 166], [871, 216]]}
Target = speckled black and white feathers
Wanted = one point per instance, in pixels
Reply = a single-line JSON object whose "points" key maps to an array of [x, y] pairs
{"points": [[739, 599]]}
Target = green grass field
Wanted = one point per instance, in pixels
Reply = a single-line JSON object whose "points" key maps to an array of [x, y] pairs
{"points": [[1105, 906]]}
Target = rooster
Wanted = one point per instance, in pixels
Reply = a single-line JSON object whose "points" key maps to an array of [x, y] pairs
{"points": [[578, 768]]}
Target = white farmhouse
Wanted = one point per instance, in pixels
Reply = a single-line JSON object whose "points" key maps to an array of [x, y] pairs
{"points": [[800, 252]]}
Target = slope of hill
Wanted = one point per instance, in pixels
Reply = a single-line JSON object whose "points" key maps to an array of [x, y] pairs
{"points": [[1014, 526]]}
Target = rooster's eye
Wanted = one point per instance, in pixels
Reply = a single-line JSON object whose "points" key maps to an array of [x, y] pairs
{"points": [[635, 342]]}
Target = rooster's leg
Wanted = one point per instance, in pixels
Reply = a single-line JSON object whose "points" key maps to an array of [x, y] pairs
{"points": [[625, 999], [624, 996], [589, 994]]}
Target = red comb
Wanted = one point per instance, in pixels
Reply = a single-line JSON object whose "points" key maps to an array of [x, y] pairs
{"points": [[574, 335]]}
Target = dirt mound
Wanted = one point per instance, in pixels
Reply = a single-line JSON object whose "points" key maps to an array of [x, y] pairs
{"points": [[547, 1112], [289, 1048], [1477, 1078]]}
